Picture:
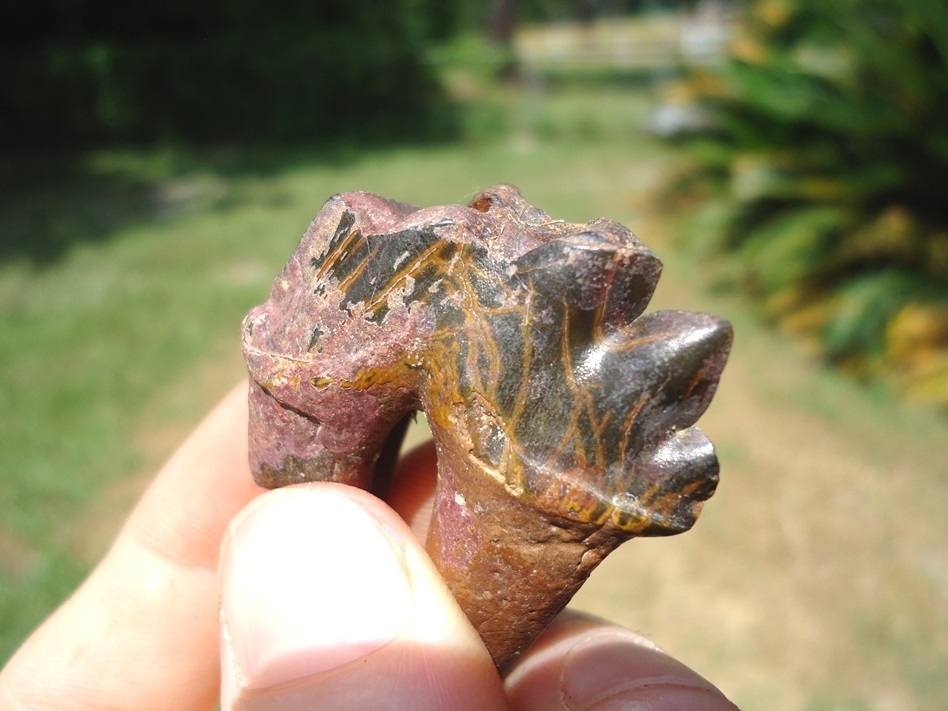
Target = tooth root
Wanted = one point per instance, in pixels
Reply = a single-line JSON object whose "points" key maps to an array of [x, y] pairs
{"points": [[511, 566]]}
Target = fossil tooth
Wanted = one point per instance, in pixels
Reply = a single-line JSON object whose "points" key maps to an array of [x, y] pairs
{"points": [[563, 417]]}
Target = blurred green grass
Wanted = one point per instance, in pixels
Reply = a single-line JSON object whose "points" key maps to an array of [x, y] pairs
{"points": [[123, 269]]}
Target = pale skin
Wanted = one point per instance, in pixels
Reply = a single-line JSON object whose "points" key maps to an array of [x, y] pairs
{"points": [[318, 596]]}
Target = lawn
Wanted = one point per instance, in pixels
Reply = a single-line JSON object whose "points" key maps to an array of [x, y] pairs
{"points": [[818, 576]]}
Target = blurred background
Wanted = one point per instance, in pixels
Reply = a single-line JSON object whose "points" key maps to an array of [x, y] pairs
{"points": [[787, 160]]}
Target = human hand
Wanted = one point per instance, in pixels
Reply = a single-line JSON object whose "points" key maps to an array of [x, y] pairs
{"points": [[325, 598]]}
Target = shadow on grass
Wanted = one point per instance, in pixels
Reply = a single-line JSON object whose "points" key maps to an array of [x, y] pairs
{"points": [[50, 204]]}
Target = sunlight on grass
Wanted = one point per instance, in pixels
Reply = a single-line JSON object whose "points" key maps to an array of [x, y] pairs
{"points": [[99, 328]]}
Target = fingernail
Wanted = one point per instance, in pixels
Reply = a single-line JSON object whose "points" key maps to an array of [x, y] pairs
{"points": [[312, 581], [609, 671]]}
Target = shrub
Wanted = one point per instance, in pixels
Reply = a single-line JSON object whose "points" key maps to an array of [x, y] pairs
{"points": [[286, 70], [829, 158]]}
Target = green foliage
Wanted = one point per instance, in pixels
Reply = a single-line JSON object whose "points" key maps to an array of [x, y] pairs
{"points": [[830, 153], [292, 70]]}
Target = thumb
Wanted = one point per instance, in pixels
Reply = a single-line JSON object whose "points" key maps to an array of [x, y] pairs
{"points": [[328, 601]]}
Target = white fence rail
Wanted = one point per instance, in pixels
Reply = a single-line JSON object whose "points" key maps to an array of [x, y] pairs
{"points": [[625, 43]]}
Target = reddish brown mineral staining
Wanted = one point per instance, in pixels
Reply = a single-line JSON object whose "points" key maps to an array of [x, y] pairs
{"points": [[562, 416]]}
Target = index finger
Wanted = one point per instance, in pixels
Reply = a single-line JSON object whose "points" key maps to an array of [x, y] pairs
{"points": [[584, 662]]}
